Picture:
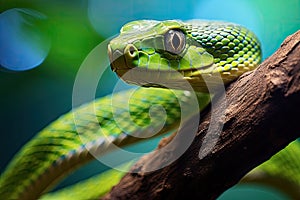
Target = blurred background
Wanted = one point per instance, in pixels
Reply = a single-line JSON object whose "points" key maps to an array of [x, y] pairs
{"points": [[43, 43]]}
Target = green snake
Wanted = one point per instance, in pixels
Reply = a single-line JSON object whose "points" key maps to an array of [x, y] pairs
{"points": [[154, 54]]}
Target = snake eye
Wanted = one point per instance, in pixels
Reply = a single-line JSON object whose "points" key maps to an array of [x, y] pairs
{"points": [[174, 41]]}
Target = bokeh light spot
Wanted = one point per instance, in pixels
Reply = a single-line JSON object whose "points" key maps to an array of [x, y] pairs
{"points": [[23, 43]]}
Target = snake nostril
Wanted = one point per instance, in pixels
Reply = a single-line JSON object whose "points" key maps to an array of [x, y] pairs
{"points": [[131, 50]]}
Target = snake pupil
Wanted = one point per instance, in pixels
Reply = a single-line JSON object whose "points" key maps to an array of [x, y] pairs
{"points": [[176, 41]]}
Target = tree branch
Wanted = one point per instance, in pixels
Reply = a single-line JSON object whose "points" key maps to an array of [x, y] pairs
{"points": [[259, 120]]}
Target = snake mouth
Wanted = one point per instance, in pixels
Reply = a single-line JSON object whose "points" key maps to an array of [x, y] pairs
{"points": [[170, 79], [157, 75], [153, 60], [149, 68]]}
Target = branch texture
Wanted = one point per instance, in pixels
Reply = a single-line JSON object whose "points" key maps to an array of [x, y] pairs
{"points": [[259, 120]]}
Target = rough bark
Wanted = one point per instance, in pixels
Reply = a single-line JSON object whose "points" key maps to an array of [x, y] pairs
{"points": [[261, 117]]}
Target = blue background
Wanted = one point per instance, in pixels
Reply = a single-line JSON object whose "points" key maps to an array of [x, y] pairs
{"points": [[43, 43]]}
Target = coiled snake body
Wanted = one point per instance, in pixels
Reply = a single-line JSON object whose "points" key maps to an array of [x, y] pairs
{"points": [[147, 53]]}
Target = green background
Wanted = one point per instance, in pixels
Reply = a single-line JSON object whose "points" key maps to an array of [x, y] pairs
{"points": [[31, 99]]}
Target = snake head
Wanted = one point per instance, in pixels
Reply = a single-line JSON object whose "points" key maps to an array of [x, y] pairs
{"points": [[170, 53]]}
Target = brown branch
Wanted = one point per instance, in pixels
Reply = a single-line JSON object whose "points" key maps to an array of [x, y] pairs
{"points": [[260, 119]]}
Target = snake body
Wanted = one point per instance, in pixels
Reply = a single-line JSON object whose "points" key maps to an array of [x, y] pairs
{"points": [[148, 53], [60, 147]]}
